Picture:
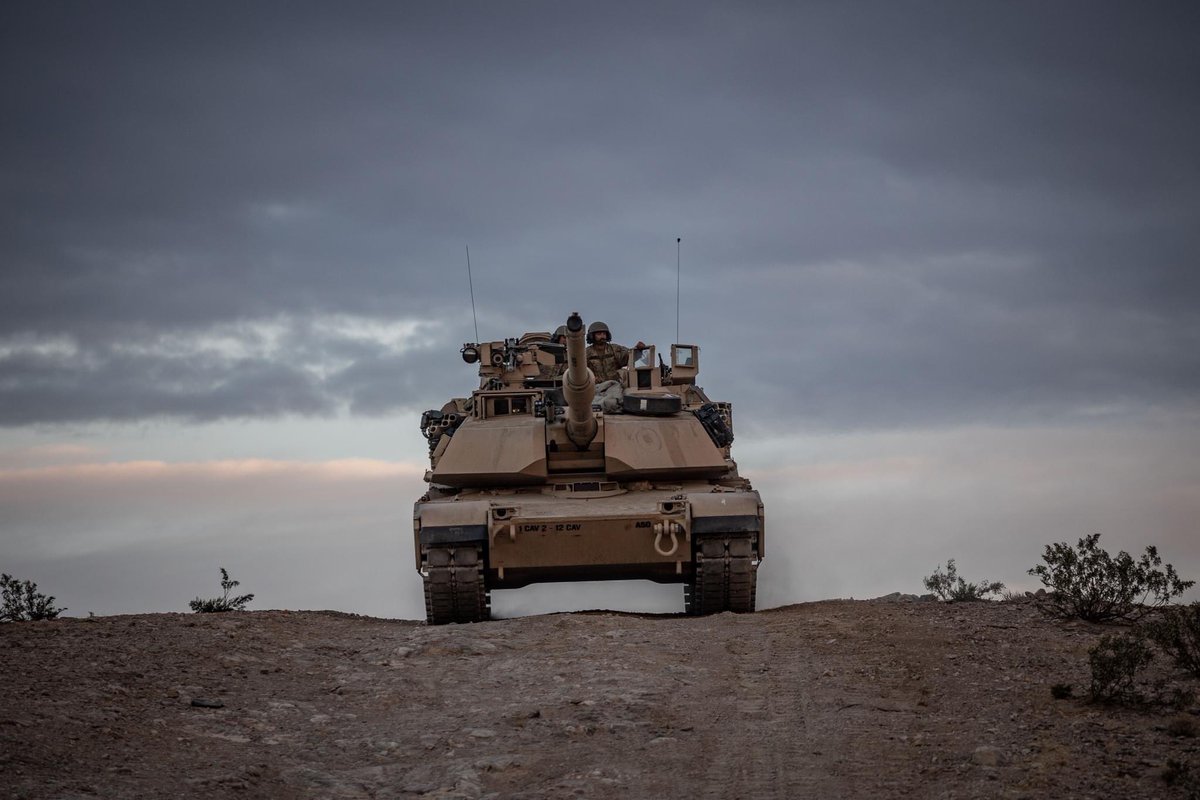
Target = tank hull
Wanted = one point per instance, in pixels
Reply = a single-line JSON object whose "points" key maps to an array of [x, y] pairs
{"points": [[595, 530]]}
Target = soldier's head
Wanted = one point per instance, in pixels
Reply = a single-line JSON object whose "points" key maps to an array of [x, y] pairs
{"points": [[598, 333], [560, 335]]}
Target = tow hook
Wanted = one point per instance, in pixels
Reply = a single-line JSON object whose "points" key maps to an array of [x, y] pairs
{"points": [[671, 529]]}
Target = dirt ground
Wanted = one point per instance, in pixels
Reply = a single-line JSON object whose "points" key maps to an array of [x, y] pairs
{"points": [[830, 699]]}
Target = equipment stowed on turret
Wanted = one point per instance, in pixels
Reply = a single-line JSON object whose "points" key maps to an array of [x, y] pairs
{"points": [[531, 482]]}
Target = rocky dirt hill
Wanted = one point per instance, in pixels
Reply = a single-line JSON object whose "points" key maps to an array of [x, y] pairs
{"points": [[830, 699]]}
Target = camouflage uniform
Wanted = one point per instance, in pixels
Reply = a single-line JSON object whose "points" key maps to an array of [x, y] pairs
{"points": [[604, 360], [555, 371]]}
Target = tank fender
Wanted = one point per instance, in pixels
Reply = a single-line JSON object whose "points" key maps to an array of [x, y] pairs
{"points": [[453, 522], [727, 512]]}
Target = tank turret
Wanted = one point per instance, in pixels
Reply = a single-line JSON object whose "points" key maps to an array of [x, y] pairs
{"points": [[537, 477]]}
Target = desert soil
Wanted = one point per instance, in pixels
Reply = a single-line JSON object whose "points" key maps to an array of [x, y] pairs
{"points": [[824, 700]]}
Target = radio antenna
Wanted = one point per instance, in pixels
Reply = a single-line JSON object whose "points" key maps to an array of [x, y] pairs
{"points": [[678, 240], [471, 284]]}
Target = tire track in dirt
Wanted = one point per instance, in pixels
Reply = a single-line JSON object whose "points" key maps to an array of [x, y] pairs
{"points": [[763, 731], [813, 709], [775, 739]]}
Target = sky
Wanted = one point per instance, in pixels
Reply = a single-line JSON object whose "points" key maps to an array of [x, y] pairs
{"points": [[942, 258]]}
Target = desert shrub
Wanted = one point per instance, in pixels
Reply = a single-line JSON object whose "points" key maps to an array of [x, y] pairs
{"points": [[949, 586], [1116, 662], [1086, 582], [1061, 691], [1177, 632], [1172, 695], [22, 601], [224, 602], [1013, 596]]}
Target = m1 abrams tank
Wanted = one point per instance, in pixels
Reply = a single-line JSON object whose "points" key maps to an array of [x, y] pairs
{"points": [[539, 478]]}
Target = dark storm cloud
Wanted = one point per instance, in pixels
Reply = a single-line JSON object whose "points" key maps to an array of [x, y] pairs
{"points": [[207, 375], [116, 387], [895, 213]]}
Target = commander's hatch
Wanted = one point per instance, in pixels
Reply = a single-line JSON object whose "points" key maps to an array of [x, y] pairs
{"points": [[685, 363], [644, 372]]}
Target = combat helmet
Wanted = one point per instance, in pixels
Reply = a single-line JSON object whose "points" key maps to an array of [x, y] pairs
{"points": [[561, 330], [593, 328]]}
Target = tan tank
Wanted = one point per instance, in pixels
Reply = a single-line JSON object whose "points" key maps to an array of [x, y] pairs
{"points": [[538, 478]]}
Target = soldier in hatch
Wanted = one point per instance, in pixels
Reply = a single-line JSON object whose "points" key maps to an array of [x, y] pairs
{"points": [[546, 372], [604, 358], [559, 337]]}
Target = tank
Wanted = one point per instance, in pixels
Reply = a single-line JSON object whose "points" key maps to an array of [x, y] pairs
{"points": [[542, 475]]}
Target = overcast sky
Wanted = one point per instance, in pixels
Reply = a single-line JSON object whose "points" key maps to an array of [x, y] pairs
{"points": [[941, 257]]}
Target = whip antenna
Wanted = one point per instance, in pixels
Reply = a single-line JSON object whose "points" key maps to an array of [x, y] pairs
{"points": [[677, 242], [471, 285]]}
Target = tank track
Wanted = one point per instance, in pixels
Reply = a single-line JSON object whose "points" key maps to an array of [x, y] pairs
{"points": [[454, 586], [725, 576]]}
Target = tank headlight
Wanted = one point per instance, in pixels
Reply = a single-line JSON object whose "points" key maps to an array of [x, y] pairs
{"points": [[470, 354]]}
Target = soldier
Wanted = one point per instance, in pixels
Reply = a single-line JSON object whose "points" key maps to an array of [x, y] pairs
{"points": [[604, 358], [545, 371], [559, 337]]}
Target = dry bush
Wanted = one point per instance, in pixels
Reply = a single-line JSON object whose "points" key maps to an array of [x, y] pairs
{"points": [[949, 586], [22, 601], [224, 602], [1116, 662], [1085, 582], [1177, 632]]}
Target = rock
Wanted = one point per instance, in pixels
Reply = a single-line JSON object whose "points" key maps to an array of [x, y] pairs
{"points": [[497, 763], [482, 733], [661, 740], [989, 756], [204, 702]]}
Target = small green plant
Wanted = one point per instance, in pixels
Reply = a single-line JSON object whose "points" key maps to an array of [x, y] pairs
{"points": [[22, 601], [949, 586], [1013, 596], [1085, 582], [1177, 632], [224, 602], [1116, 662]]}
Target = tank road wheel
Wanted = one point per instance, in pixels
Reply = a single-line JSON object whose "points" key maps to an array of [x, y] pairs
{"points": [[725, 575], [454, 586]]}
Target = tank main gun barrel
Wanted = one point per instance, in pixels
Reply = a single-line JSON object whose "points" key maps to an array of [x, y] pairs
{"points": [[579, 386]]}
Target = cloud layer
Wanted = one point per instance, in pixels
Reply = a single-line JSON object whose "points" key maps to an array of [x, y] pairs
{"points": [[898, 216]]}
